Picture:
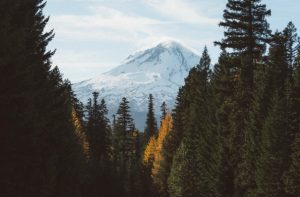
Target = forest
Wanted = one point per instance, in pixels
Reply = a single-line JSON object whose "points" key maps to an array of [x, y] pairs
{"points": [[235, 130]]}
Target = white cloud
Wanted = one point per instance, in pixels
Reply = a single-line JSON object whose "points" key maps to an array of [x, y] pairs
{"points": [[104, 23], [180, 10], [105, 17], [82, 64]]}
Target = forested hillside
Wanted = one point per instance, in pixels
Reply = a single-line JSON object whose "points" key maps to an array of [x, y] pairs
{"points": [[234, 132]]}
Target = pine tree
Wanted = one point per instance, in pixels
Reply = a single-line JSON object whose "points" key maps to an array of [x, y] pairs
{"points": [[292, 58], [151, 124], [78, 120], [223, 83], [98, 130], [257, 114], [247, 32], [172, 140], [99, 136], [271, 77], [77, 104], [290, 33], [194, 164], [81, 134], [246, 35], [199, 138], [276, 129], [292, 183], [42, 152], [273, 160], [178, 177], [163, 110], [135, 183], [180, 114], [124, 147]]}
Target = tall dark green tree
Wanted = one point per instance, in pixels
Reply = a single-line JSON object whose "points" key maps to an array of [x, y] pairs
{"points": [[290, 33], [163, 110], [38, 141], [181, 115], [272, 76], [178, 177], [172, 141], [125, 146], [272, 128], [292, 183], [257, 113], [245, 38], [199, 138], [246, 27], [274, 156], [246, 34], [151, 124], [98, 131], [223, 83]]}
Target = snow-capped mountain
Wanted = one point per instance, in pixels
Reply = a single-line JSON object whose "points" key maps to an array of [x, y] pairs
{"points": [[159, 70]]}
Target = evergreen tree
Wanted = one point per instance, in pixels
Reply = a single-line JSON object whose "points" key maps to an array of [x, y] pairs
{"points": [[273, 160], [290, 33], [135, 184], [178, 177], [77, 104], [172, 140], [246, 27], [124, 147], [257, 114], [99, 135], [271, 77], [151, 124], [42, 152], [199, 137], [98, 130], [271, 126], [223, 83], [292, 184], [77, 119], [247, 32], [163, 110]]}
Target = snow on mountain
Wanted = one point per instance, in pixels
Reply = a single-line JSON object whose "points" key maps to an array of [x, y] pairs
{"points": [[159, 70]]}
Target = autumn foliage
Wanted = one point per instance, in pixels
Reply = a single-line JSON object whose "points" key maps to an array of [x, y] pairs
{"points": [[80, 134], [153, 153]]}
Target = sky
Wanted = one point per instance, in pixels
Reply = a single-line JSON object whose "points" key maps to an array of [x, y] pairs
{"points": [[94, 36]]}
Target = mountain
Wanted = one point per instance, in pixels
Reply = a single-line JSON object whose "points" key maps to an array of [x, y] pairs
{"points": [[159, 70]]}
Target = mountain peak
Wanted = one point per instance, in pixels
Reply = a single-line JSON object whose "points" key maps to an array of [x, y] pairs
{"points": [[174, 44], [159, 70], [170, 44], [158, 52]]}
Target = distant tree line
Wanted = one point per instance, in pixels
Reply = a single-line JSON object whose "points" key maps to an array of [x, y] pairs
{"points": [[234, 132]]}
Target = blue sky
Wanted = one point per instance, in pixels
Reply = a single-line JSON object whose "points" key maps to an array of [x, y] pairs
{"points": [[93, 36]]}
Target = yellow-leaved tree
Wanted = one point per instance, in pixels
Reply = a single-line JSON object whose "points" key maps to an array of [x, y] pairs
{"points": [[153, 155], [80, 134], [149, 152]]}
